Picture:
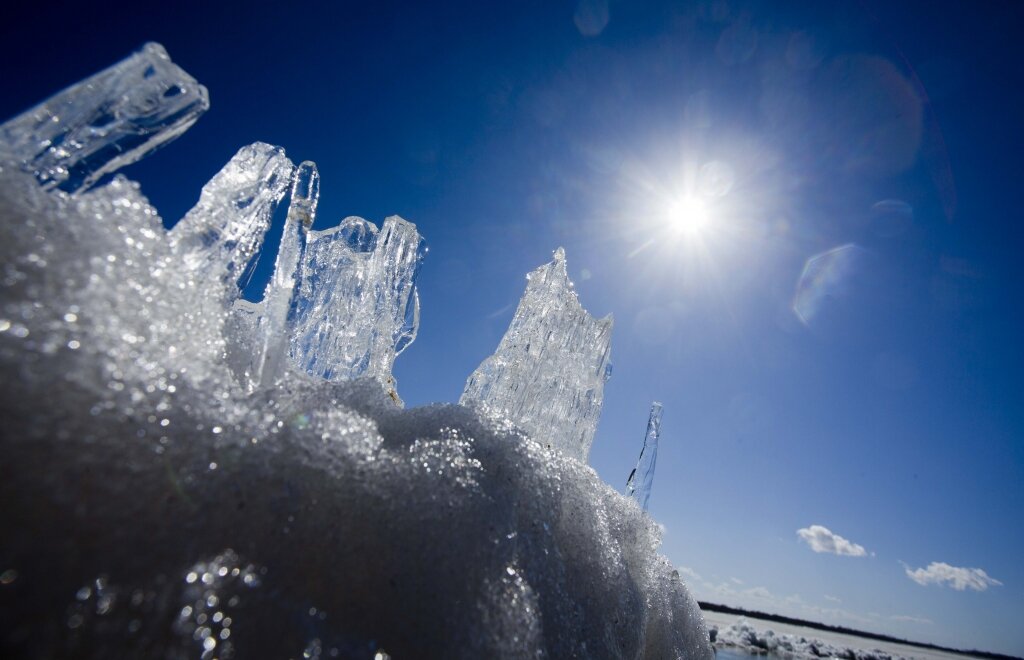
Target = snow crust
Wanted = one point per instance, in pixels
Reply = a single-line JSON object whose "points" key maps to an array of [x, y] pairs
{"points": [[155, 504]]}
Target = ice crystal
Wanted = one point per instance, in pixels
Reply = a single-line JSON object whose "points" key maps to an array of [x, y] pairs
{"points": [[258, 333], [105, 122], [549, 371], [641, 479], [357, 307]]}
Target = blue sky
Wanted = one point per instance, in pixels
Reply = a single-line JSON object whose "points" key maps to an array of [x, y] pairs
{"points": [[838, 345]]}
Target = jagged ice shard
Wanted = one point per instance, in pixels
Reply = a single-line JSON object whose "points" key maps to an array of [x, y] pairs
{"points": [[105, 122], [641, 479], [224, 230], [258, 333], [357, 307], [189, 475], [549, 371]]}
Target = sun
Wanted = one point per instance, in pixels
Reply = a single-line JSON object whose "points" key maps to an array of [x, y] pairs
{"points": [[688, 215]]}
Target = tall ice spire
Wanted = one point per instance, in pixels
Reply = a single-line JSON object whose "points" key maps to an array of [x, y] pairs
{"points": [[548, 373]]}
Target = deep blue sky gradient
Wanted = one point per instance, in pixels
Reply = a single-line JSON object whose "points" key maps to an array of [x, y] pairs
{"points": [[894, 416]]}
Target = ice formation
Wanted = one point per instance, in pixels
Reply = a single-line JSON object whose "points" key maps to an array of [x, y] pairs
{"points": [[743, 635], [260, 331], [357, 305], [176, 483], [549, 371], [104, 122], [641, 479], [224, 230]]}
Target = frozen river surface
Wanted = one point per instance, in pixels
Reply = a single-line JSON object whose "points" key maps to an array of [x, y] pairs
{"points": [[744, 637]]}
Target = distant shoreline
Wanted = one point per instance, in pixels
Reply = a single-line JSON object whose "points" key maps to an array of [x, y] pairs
{"points": [[725, 609]]}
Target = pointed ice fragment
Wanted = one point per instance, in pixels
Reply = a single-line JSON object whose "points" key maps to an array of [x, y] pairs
{"points": [[218, 237], [549, 371], [305, 195], [357, 305], [104, 122], [638, 486], [281, 291], [258, 333]]}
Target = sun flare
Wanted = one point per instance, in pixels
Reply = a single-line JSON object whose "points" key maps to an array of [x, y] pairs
{"points": [[689, 215]]}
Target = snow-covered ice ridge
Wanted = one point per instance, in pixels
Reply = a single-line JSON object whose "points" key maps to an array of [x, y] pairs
{"points": [[752, 636], [188, 475], [745, 636]]}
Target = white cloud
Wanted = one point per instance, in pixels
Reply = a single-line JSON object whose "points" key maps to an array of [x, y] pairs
{"points": [[736, 580], [834, 599], [689, 573], [959, 578], [911, 619], [821, 539]]}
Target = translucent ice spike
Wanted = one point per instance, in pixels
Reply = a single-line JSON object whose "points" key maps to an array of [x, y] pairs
{"points": [[104, 122], [222, 232], [638, 486], [357, 306], [305, 195], [280, 293], [257, 333], [549, 371]]}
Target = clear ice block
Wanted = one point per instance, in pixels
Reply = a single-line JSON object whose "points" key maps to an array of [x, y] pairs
{"points": [[223, 231], [357, 306], [104, 122], [549, 371], [641, 479], [280, 295], [258, 332]]}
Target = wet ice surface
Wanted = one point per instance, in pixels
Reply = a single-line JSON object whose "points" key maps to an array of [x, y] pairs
{"points": [[158, 504]]}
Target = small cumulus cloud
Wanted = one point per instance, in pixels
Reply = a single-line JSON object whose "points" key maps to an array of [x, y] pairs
{"points": [[822, 539], [911, 619], [943, 574], [736, 580], [834, 599]]}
